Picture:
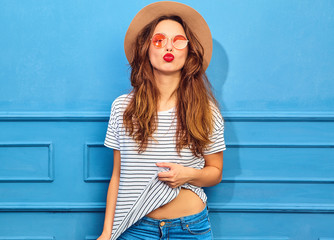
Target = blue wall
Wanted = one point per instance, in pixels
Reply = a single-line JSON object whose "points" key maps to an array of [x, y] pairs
{"points": [[62, 64]]}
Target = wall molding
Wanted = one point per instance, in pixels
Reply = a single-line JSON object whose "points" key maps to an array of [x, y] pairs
{"points": [[27, 238], [213, 207], [50, 175], [86, 159], [91, 237], [279, 180], [52, 207], [272, 208], [241, 116]]}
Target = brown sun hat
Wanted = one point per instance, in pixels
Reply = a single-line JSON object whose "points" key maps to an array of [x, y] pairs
{"points": [[193, 19]]}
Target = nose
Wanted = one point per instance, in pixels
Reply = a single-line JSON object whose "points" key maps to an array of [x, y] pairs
{"points": [[169, 45]]}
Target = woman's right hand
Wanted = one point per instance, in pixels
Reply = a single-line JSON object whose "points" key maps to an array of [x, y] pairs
{"points": [[104, 236]]}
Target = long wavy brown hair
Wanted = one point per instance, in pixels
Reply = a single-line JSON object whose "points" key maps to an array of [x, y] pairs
{"points": [[193, 110]]}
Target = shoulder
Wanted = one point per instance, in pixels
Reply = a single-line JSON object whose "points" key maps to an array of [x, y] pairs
{"points": [[122, 99], [121, 102], [216, 114]]}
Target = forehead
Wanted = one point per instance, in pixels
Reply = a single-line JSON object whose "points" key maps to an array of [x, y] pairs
{"points": [[169, 27]]}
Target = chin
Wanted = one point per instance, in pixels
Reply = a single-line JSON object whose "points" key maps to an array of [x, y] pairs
{"points": [[169, 69]]}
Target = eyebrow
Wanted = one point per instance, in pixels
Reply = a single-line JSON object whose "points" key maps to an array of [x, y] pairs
{"points": [[172, 35]]}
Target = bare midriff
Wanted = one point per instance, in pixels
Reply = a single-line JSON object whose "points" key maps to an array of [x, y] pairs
{"points": [[186, 203]]}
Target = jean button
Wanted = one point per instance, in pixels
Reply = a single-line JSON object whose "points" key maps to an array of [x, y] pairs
{"points": [[162, 224]]}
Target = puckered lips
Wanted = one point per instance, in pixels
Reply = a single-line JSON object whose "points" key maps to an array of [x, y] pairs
{"points": [[168, 57]]}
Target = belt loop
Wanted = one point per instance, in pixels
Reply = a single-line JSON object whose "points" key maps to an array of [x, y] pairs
{"points": [[183, 223]]}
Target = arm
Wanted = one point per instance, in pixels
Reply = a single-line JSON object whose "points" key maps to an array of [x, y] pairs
{"points": [[211, 174], [208, 176], [112, 195]]}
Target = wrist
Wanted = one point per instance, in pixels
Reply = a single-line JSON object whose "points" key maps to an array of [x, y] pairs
{"points": [[191, 174], [107, 232]]}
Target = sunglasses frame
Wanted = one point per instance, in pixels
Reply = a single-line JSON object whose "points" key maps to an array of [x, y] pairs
{"points": [[172, 38]]}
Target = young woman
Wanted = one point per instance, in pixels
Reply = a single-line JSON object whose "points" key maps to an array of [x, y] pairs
{"points": [[167, 133]]}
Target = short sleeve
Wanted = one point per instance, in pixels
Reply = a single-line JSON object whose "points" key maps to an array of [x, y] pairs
{"points": [[112, 136], [217, 136]]}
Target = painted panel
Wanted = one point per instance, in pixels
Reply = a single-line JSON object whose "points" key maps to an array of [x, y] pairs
{"points": [[26, 162]]}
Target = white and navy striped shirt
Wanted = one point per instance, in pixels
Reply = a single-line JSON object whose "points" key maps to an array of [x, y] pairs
{"points": [[140, 191]]}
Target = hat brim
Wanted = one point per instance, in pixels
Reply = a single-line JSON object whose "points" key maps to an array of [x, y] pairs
{"points": [[194, 20]]}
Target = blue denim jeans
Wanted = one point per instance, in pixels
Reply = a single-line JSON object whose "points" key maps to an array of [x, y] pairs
{"points": [[196, 226]]}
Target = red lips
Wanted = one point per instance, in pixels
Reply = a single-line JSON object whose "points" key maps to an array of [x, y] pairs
{"points": [[168, 57]]}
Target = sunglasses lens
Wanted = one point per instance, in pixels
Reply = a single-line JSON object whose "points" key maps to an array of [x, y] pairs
{"points": [[180, 42], [159, 40]]}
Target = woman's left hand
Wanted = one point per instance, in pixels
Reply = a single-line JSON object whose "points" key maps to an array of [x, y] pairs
{"points": [[176, 176]]}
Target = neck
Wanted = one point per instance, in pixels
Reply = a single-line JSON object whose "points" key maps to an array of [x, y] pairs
{"points": [[167, 83]]}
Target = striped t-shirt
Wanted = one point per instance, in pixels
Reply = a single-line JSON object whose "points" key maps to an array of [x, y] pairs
{"points": [[140, 191]]}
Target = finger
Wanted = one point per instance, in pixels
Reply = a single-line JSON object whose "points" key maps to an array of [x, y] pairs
{"points": [[170, 184], [173, 185], [165, 177], [166, 180], [164, 164], [165, 174]]}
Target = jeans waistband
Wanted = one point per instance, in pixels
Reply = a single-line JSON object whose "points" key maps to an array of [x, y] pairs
{"points": [[169, 222]]}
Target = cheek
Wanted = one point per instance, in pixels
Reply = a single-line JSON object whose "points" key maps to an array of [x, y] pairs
{"points": [[185, 55], [153, 55]]}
